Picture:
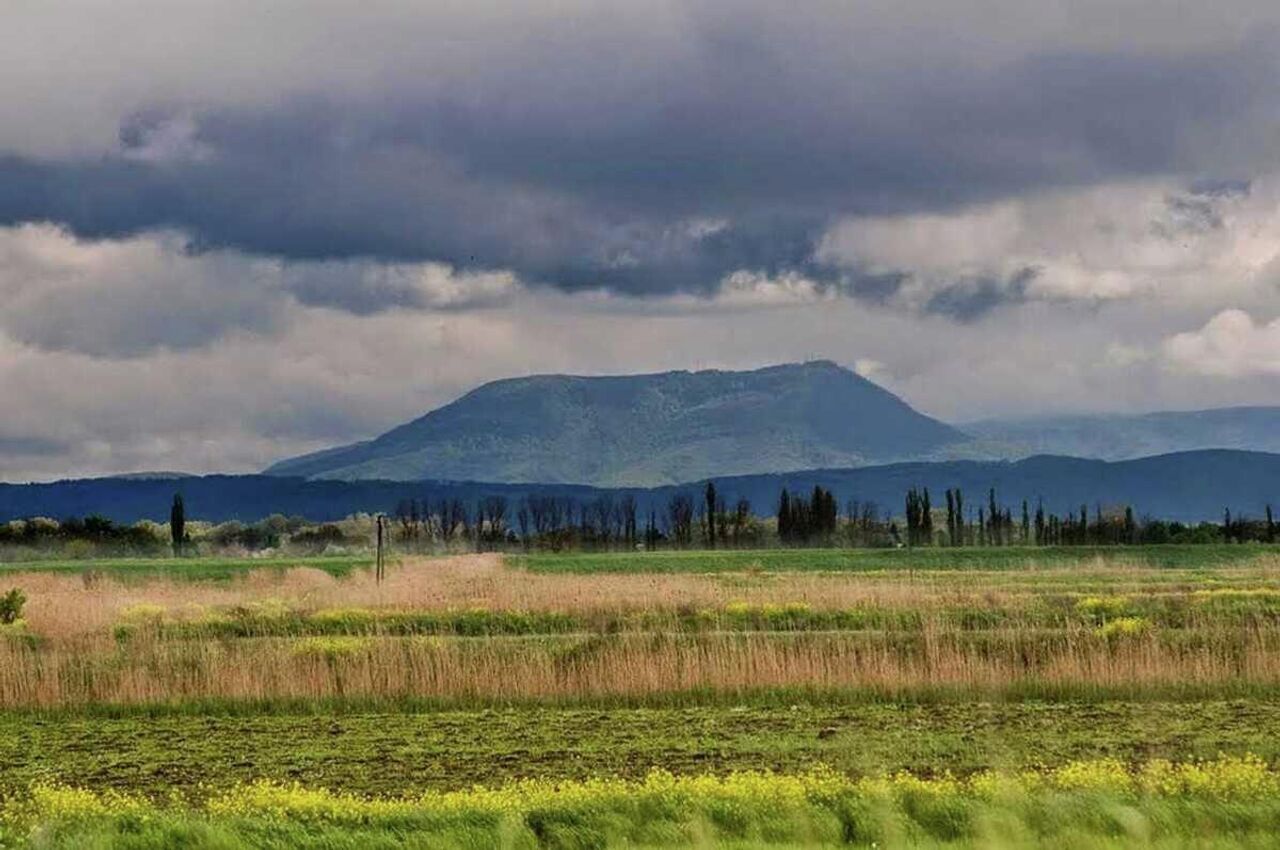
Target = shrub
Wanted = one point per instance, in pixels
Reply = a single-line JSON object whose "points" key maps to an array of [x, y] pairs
{"points": [[1123, 627], [11, 606], [1103, 608], [319, 538], [331, 648]]}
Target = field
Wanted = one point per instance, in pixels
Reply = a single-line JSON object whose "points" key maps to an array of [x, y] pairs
{"points": [[185, 569], [144, 704]]}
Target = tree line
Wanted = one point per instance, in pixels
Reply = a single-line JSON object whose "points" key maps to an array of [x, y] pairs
{"points": [[690, 519], [996, 524]]}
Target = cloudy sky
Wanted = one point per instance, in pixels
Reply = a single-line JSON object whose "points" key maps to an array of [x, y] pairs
{"points": [[231, 231]]}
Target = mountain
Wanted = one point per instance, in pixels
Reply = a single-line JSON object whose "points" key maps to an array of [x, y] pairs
{"points": [[1185, 486], [1116, 437], [151, 475], [644, 430]]}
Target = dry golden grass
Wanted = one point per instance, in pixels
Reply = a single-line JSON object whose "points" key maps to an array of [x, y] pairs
{"points": [[95, 671], [78, 659], [64, 606]]}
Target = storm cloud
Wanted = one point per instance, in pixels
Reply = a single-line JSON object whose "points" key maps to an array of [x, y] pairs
{"points": [[582, 158]]}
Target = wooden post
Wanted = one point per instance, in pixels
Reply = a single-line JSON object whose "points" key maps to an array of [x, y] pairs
{"points": [[378, 567]]}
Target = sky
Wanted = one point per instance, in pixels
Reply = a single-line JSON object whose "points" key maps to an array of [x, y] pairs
{"points": [[231, 231]]}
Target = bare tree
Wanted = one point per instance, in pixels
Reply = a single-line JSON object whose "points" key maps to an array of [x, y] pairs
{"points": [[627, 509], [680, 515], [493, 518], [522, 521]]}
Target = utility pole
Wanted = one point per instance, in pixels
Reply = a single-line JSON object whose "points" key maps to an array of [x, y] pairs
{"points": [[378, 567]]}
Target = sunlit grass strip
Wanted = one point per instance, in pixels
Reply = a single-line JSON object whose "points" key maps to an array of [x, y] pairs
{"points": [[1200, 610], [1233, 795]]}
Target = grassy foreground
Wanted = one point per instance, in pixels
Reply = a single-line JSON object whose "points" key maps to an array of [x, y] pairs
{"points": [[1224, 803], [1050, 683]]}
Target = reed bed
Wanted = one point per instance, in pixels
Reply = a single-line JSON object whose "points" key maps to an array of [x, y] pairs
{"points": [[985, 664], [472, 629]]}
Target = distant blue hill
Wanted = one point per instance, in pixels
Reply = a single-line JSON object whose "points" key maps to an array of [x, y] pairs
{"points": [[1185, 486], [645, 430], [1119, 437]]}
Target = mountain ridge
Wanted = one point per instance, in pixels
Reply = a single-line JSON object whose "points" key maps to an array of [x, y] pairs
{"points": [[1194, 485], [647, 429], [679, 425], [1121, 436]]}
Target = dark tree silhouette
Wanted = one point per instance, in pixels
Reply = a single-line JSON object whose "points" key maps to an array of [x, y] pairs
{"points": [[712, 506], [177, 524]]}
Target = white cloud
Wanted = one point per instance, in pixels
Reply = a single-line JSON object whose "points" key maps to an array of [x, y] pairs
{"points": [[363, 286], [1124, 356], [751, 289], [1118, 241], [871, 369], [128, 297], [1231, 344]]}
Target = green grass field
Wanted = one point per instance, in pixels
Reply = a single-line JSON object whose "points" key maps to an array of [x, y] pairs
{"points": [[193, 569], [393, 752], [1186, 557], [865, 560]]}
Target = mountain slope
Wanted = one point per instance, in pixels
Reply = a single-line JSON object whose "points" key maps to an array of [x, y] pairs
{"points": [[644, 430], [1184, 486], [1117, 437]]}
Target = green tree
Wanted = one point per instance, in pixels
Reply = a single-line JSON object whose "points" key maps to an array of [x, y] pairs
{"points": [[711, 514], [951, 519], [177, 524], [993, 518], [926, 518], [784, 516]]}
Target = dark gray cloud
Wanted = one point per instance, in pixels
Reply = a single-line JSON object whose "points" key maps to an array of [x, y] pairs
{"points": [[736, 154], [967, 300]]}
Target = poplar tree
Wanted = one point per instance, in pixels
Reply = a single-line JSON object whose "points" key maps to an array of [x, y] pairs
{"points": [[926, 524], [711, 514], [993, 518], [177, 524], [951, 519]]}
